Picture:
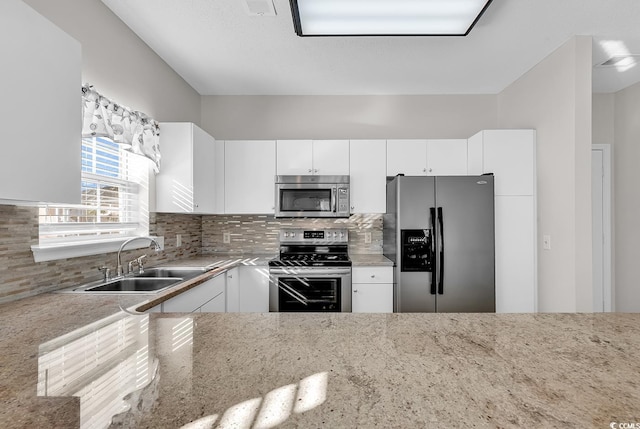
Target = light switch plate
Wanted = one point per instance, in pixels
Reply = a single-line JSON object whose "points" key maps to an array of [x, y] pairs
{"points": [[226, 237], [367, 237], [546, 242], [178, 240]]}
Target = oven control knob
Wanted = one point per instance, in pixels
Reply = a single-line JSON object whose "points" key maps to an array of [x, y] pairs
{"points": [[293, 234], [286, 234]]}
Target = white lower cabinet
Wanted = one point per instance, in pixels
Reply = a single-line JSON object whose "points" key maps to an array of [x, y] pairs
{"points": [[207, 297], [254, 289], [215, 305], [372, 289], [515, 219], [233, 290]]}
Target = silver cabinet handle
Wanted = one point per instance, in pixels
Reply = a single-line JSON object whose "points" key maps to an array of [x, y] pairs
{"points": [[310, 170], [355, 291], [373, 276]]}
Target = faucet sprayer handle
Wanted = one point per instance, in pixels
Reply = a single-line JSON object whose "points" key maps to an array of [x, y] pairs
{"points": [[106, 272]]}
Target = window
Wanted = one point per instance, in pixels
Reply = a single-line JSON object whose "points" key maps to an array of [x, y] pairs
{"points": [[114, 201]]}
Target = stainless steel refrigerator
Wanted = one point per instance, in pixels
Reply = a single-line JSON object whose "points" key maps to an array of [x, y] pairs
{"points": [[439, 232]]}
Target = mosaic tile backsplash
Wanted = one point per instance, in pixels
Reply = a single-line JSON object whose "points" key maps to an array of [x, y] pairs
{"points": [[259, 233], [20, 276]]}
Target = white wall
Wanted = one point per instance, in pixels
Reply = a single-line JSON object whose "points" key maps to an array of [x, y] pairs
{"points": [[555, 99], [626, 171], [603, 118], [355, 117], [119, 64]]}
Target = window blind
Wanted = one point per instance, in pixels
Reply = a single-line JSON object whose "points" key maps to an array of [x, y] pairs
{"points": [[113, 200]]}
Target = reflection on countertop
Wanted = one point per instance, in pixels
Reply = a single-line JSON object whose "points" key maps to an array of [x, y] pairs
{"points": [[345, 370]]}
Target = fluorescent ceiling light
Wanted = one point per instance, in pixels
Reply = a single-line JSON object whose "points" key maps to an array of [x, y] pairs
{"points": [[386, 17]]}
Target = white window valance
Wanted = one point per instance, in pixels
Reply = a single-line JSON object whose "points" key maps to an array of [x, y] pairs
{"points": [[136, 131]]}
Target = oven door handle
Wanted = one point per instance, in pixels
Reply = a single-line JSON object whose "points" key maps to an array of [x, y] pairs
{"points": [[305, 272]]}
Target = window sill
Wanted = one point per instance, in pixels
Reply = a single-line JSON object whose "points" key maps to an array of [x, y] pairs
{"points": [[52, 252]]}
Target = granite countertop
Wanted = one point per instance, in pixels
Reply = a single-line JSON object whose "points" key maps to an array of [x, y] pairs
{"points": [[75, 360], [311, 370], [365, 260]]}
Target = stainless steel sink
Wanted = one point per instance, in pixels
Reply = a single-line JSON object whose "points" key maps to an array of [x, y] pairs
{"points": [[152, 280], [135, 285], [172, 272]]}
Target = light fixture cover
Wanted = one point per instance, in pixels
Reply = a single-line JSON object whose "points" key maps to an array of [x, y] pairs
{"points": [[386, 17]]}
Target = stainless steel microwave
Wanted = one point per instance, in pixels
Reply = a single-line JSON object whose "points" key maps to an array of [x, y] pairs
{"points": [[312, 196]]}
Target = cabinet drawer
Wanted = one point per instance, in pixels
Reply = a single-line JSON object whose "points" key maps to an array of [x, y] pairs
{"points": [[372, 275]]}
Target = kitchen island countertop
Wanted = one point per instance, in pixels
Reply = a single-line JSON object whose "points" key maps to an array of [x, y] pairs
{"points": [[317, 370]]}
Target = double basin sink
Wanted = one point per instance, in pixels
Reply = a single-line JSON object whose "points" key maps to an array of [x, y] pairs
{"points": [[151, 280]]}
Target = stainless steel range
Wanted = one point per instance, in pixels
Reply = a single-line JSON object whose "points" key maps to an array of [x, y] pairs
{"points": [[312, 272]]}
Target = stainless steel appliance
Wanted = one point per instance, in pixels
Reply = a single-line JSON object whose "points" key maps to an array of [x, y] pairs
{"points": [[312, 196], [439, 231], [312, 272]]}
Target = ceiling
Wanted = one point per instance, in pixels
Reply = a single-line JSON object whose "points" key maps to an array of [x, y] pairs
{"points": [[219, 49]]}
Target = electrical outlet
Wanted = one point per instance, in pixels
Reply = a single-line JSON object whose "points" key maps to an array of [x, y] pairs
{"points": [[226, 237], [546, 242], [178, 240], [367, 237]]}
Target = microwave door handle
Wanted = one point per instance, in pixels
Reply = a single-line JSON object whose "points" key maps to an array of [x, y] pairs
{"points": [[333, 199]]}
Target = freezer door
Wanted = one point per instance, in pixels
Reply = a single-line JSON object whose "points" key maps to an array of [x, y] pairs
{"points": [[465, 244], [416, 199]]}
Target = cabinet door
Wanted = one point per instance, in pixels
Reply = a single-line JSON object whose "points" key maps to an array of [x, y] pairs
{"points": [[372, 298], [215, 305], [408, 157], [510, 156], [250, 169], [515, 218], [41, 65], [254, 289], [447, 157], [368, 176], [204, 176], [192, 299], [219, 176], [294, 157], [474, 154], [174, 183], [233, 290], [331, 157]]}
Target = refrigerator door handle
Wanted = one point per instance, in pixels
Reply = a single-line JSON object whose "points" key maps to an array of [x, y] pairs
{"points": [[441, 266], [432, 210]]}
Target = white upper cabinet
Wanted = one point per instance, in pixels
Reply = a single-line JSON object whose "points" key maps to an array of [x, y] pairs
{"points": [[447, 157], [249, 176], [41, 108], [321, 157], [368, 176], [294, 157], [509, 155], [408, 157], [331, 157], [187, 179], [444, 157]]}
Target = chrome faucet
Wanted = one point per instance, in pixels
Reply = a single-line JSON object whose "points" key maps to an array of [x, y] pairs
{"points": [[119, 267]]}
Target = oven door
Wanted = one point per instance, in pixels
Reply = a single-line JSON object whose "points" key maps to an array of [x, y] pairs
{"points": [[310, 290]]}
